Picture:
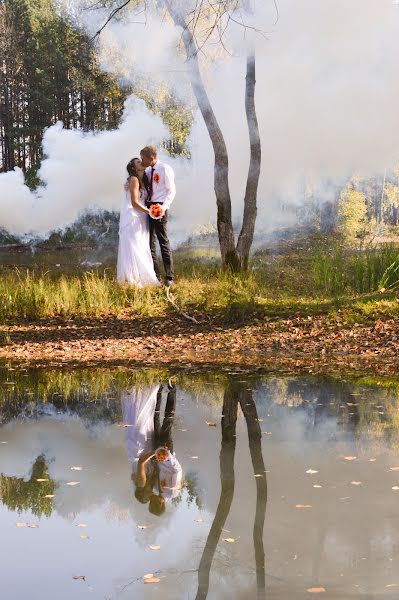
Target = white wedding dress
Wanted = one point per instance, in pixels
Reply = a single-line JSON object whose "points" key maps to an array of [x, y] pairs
{"points": [[135, 265]]}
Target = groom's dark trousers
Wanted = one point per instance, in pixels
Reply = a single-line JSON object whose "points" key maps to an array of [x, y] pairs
{"points": [[158, 231]]}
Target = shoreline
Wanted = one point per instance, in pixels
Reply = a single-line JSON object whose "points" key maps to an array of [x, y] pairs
{"points": [[300, 345]]}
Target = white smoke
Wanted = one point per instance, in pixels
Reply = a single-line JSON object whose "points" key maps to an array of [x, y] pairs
{"points": [[327, 90]]}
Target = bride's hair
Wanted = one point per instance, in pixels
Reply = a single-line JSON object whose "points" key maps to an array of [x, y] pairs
{"points": [[131, 169]]}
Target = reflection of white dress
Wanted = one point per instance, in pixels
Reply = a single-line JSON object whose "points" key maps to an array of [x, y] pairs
{"points": [[135, 265]]}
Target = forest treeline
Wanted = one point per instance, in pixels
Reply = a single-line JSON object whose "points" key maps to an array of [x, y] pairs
{"points": [[48, 73]]}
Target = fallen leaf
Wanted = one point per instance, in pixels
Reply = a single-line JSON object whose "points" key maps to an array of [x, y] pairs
{"points": [[211, 424], [143, 526], [19, 524], [356, 483], [318, 590], [198, 520], [79, 577], [230, 540], [311, 472], [396, 488], [50, 496], [350, 457], [33, 526], [394, 468], [194, 457], [259, 475], [72, 483], [127, 425], [303, 506], [151, 580], [155, 547], [40, 480], [317, 486], [81, 525], [84, 536], [391, 585], [76, 468]]}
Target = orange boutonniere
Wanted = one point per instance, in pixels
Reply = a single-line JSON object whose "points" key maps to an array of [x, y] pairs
{"points": [[156, 177]]}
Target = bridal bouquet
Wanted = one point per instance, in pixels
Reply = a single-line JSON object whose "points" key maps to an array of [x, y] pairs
{"points": [[156, 211]]}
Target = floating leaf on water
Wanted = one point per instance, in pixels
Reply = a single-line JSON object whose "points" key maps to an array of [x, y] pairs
{"points": [[33, 526], [151, 580], [40, 480], [19, 524], [391, 585], [303, 506], [144, 526], [50, 496], [127, 425], [267, 433], [182, 429], [350, 457], [155, 547], [198, 520], [394, 468], [396, 488], [259, 475], [84, 536], [81, 525], [76, 468], [317, 486], [356, 483], [230, 540], [3, 442], [211, 424], [72, 483], [79, 577], [194, 457], [311, 472], [345, 498], [316, 590], [372, 459]]}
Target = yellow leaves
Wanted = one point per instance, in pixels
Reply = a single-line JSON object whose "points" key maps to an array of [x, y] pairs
{"points": [[316, 590], [356, 483], [230, 540], [303, 506], [73, 483], [30, 525], [349, 457], [154, 547], [311, 472], [149, 578], [211, 424], [84, 536]]}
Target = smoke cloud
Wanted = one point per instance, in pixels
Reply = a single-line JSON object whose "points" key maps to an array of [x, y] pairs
{"points": [[327, 90]]}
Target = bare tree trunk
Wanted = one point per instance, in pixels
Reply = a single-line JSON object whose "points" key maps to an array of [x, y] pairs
{"points": [[230, 258], [246, 236]]}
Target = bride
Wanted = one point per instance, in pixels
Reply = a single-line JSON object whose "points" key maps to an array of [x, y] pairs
{"points": [[135, 265]]}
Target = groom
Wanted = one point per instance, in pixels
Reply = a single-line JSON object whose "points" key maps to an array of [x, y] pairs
{"points": [[162, 191]]}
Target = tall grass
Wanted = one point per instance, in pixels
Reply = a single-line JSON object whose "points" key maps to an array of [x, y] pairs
{"points": [[366, 270]]}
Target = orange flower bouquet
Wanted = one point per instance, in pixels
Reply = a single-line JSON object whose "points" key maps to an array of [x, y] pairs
{"points": [[156, 211]]}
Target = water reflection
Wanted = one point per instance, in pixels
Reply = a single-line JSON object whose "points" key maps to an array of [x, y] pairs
{"points": [[331, 449], [155, 470], [236, 394]]}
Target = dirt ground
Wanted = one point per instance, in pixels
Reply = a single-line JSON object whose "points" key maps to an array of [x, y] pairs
{"points": [[305, 344]]}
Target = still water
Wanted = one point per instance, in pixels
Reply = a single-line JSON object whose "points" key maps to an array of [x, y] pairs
{"points": [[274, 488]]}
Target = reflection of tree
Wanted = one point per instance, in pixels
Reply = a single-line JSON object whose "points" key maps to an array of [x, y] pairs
{"points": [[19, 495], [237, 393]]}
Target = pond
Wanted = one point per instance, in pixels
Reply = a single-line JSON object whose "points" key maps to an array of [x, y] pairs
{"points": [[274, 487]]}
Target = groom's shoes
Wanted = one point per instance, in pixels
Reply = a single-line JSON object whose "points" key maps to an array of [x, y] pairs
{"points": [[169, 283]]}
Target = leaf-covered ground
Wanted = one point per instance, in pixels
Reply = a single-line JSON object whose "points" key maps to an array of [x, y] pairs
{"points": [[333, 343]]}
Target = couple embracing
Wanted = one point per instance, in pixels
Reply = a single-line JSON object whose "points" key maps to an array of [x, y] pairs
{"points": [[149, 192]]}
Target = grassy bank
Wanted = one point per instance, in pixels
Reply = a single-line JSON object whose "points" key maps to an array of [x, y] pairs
{"points": [[363, 283]]}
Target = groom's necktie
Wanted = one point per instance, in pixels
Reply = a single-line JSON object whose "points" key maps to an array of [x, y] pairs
{"points": [[151, 184]]}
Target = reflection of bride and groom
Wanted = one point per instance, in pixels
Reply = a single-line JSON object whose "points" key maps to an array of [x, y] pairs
{"points": [[156, 472]]}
